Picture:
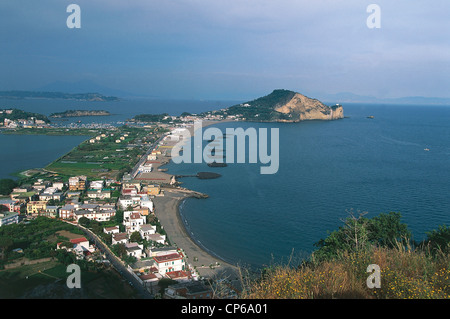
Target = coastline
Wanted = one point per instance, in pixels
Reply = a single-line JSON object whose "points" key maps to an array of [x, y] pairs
{"points": [[207, 264], [167, 209]]}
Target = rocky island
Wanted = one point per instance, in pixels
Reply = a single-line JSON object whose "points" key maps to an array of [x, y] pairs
{"points": [[78, 113]]}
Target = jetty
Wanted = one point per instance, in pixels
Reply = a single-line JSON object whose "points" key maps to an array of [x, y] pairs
{"points": [[201, 175]]}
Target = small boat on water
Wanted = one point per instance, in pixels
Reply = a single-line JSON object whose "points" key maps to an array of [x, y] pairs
{"points": [[426, 149], [370, 117]]}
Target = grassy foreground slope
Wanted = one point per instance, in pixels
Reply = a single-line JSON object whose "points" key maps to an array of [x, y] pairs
{"points": [[339, 268]]}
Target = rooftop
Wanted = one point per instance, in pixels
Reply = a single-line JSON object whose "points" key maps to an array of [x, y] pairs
{"points": [[166, 258]]}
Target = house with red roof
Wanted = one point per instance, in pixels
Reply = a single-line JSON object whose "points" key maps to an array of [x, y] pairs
{"points": [[169, 263]]}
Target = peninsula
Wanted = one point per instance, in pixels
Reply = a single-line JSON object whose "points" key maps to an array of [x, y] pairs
{"points": [[78, 113], [278, 106], [282, 106]]}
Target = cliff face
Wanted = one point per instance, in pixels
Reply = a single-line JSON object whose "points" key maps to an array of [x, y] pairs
{"points": [[301, 108]]}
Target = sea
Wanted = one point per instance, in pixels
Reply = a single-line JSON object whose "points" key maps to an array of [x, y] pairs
{"points": [[396, 161]]}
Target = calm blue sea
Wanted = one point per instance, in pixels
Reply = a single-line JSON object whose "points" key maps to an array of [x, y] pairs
{"points": [[326, 169]]}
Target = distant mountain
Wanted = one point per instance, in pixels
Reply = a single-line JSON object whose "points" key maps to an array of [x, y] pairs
{"points": [[284, 106], [82, 87], [56, 95]]}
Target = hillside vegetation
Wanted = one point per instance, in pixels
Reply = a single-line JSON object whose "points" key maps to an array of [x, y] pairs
{"points": [[283, 106], [338, 269]]}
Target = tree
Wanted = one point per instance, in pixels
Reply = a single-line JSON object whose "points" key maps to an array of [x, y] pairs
{"points": [[360, 233], [84, 221], [5, 243], [7, 185], [119, 250], [119, 216], [135, 237], [387, 229], [439, 239]]}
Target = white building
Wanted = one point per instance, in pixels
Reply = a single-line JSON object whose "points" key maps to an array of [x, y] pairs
{"points": [[169, 262], [132, 221], [98, 215], [111, 230], [135, 250], [147, 202], [126, 201], [158, 238], [146, 230], [7, 218], [119, 238], [146, 167], [58, 185], [96, 185]]}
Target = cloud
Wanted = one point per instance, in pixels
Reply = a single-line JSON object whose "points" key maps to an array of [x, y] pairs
{"points": [[228, 46]]}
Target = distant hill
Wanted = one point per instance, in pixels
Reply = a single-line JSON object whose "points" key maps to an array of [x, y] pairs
{"points": [[84, 86], [16, 114], [284, 106], [77, 113], [56, 95]]}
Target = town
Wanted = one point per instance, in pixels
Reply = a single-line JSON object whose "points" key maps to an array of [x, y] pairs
{"points": [[117, 215]]}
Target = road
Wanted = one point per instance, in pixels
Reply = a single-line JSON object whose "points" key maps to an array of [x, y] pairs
{"points": [[117, 264], [144, 157]]}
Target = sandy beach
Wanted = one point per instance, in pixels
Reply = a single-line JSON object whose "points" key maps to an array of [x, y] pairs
{"points": [[207, 265], [167, 211]]}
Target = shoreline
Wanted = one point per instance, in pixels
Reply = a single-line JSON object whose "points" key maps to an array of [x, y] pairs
{"points": [[206, 263], [167, 209]]}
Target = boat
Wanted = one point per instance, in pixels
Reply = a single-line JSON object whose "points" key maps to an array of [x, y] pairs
{"points": [[426, 149]]}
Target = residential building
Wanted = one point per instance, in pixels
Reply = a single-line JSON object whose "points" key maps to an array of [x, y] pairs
{"points": [[169, 262], [98, 185], [7, 218], [119, 238], [46, 196], [50, 212], [132, 221], [98, 215], [157, 238], [126, 201], [81, 247], [34, 207], [153, 190], [155, 251], [58, 185], [146, 230], [78, 183], [135, 250], [12, 205], [67, 212], [111, 230]]}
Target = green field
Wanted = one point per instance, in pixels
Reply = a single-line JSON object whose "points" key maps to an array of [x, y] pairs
{"points": [[105, 157]]}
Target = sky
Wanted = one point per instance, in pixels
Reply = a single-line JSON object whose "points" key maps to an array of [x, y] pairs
{"points": [[229, 49]]}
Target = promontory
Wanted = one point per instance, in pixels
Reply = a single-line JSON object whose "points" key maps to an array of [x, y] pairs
{"points": [[283, 106]]}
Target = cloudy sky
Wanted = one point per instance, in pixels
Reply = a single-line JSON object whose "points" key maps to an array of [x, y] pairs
{"points": [[229, 49]]}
